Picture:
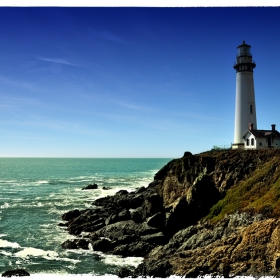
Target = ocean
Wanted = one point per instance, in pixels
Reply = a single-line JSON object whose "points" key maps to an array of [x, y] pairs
{"points": [[35, 192]]}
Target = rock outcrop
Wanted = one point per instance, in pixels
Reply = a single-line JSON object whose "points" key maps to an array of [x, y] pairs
{"points": [[214, 213], [15, 272]]}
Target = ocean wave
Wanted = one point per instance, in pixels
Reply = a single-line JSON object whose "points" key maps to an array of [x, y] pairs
{"points": [[5, 205], [28, 252], [5, 253], [5, 244]]}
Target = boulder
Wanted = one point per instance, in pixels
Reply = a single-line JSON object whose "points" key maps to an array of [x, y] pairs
{"points": [[144, 229], [15, 272], [124, 215], [82, 243], [71, 215], [140, 190], [156, 220], [112, 219], [126, 239], [114, 231], [152, 205], [103, 245], [137, 215], [122, 192], [134, 249], [91, 187], [158, 269], [62, 224], [124, 272], [69, 244], [156, 238]]}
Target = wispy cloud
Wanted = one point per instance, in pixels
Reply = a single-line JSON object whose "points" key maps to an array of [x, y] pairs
{"points": [[57, 60], [109, 37]]}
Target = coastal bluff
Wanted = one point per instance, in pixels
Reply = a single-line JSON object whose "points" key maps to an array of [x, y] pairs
{"points": [[216, 213]]}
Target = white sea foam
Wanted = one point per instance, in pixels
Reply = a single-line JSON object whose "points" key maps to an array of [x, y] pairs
{"points": [[43, 182], [120, 261], [48, 255], [5, 253], [5, 243], [5, 205]]}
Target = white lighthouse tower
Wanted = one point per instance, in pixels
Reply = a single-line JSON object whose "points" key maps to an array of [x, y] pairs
{"points": [[245, 107]]}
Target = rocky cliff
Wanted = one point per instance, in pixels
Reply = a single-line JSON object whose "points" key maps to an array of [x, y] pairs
{"points": [[213, 213]]}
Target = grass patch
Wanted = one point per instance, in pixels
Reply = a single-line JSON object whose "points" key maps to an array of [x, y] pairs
{"points": [[258, 193]]}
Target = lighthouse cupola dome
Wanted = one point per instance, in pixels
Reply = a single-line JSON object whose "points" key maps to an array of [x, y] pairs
{"points": [[244, 50], [244, 60]]}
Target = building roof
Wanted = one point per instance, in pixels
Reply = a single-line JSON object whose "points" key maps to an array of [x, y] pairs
{"points": [[263, 133]]}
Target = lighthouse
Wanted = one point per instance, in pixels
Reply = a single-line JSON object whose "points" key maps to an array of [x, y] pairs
{"points": [[245, 106]]}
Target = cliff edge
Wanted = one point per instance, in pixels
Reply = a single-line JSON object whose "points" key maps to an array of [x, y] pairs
{"points": [[214, 213]]}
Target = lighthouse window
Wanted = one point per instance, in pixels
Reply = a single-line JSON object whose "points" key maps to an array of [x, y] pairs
{"points": [[251, 109], [252, 142], [247, 142]]}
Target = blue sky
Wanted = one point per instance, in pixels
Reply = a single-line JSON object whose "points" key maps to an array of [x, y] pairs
{"points": [[130, 82]]}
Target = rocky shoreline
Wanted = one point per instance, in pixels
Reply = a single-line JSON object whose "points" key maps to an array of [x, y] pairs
{"points": [[165, 222]]}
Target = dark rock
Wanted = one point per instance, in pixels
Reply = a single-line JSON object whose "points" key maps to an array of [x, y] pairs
{"points": [[71, 215], [106, 188], [156, 220], [136, 201], [114, 231], [161, 269], [63, 224], [163, 171], [82, 243], [126, 239], [145, 229], [112, 219], [134, 249], [140, 190], [277, 263], [103, 245], [124, 272], [124, 215], [69, 244], [90, 187], [122, 192], [75, 244], [156, 238], [98, 221], [91, 228], [137, 215], [15, 272], [152, 205], [187, 154]]}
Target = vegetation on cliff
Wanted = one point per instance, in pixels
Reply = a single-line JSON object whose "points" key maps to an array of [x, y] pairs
{"points": [[257, 193]]}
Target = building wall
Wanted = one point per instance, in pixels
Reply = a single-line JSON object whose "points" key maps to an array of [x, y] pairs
{"points": [[259, 143], [275, 143], [251, 140]]}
